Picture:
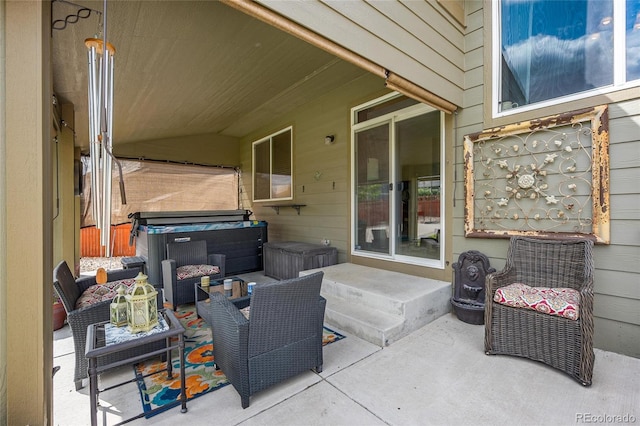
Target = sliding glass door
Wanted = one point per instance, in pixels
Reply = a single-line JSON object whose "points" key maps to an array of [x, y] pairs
{"points": [[372, 188], [397, 153]]}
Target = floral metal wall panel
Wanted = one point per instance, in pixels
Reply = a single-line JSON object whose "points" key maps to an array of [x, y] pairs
{"points": [[542, 177]]}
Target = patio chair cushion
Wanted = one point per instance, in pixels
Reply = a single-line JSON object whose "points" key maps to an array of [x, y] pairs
{"points": [[194, 271], [563, 302], [101, 292]]}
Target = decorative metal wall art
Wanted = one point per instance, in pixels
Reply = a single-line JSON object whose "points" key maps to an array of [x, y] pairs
{"points": [[542, 177]]}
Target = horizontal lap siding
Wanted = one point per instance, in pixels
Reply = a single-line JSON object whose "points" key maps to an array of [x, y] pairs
{"points": [[617, 275], [415, 40], [617, 285], [321, 173]]}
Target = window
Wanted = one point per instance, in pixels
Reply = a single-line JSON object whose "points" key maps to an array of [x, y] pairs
{"points": [[272, 167], [545, 51], [397, 174]]}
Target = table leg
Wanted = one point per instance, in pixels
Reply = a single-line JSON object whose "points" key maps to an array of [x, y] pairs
{"points": [[93, 390], [168, 355], [183, 387]]}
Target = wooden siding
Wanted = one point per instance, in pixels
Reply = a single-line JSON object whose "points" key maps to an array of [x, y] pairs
{"points": [[326, 214], [617, 275], [420, 41], [416, 40]]}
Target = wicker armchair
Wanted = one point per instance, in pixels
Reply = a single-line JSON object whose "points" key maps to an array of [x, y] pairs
{"points": [[282, 337], [69, 289], [560, 342], [178, 290]]}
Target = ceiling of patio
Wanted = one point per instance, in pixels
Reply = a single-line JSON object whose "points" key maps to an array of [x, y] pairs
{"points": [[190, 67]]}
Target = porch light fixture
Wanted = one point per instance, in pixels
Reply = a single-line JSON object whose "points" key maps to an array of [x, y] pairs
{"points": [[100, 103]]}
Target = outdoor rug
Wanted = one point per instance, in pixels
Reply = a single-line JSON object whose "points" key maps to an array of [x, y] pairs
{"points": [[201, 375]]}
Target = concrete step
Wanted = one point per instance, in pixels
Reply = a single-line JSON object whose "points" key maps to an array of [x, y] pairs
{"points": [[373, 326], [381, 306]]}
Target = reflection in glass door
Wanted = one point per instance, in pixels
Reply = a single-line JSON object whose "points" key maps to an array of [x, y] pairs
{"points": [[417, 146], [372, 189], [397, 182]]}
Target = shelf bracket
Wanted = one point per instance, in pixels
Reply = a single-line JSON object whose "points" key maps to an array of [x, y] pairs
{"points": [[296, 207]]}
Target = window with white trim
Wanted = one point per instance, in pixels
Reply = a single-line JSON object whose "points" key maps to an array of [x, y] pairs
{"points": [[546, 52], [273, 166]]}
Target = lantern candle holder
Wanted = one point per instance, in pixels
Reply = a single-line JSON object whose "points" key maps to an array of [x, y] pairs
{"points": [[142, 309], [118, 308]]}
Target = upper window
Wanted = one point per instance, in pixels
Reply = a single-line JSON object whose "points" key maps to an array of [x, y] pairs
{"points": [[272, 166], [561, 49]]}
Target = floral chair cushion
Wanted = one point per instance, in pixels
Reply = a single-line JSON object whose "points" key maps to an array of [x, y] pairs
{"points": [[562, 302], [101, 292], [194, 271]]}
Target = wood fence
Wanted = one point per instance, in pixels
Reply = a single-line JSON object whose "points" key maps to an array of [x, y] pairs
{"points": [[90, 241]]}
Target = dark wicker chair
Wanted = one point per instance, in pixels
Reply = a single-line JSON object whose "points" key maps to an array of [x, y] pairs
{"points": [[559, 342], [282, 337], [69, 289], [180, 291]]}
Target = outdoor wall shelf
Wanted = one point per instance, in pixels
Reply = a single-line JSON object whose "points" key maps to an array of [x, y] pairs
{"points": [[293, 206], [543, 177]]}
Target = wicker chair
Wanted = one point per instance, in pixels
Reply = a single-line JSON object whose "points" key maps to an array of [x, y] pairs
{"points": [[562, 343], [69, 289], [282, 337], [180, 291]]}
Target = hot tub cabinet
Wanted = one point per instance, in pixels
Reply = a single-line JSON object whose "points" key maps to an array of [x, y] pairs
{"points": [[285, 259], [241, 241]]}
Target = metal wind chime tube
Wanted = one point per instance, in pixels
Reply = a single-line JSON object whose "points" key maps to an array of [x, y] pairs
{"points": [[105, 233], [101, 76], [106, 156], [94, 125]]}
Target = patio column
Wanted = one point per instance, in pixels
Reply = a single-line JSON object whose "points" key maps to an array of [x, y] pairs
{"points": [[25, 225]]}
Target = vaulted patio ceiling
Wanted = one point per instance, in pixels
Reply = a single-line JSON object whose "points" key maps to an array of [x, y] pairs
{"points": [[190, 67]]}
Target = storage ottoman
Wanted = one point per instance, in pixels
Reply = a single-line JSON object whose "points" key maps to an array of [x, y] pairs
{"points": [[283, 260]]}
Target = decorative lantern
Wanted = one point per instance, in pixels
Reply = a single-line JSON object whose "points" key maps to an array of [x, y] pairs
{"points": [[142, 310], [118, 308]]}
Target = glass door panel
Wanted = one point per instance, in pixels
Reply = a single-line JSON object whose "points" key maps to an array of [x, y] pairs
{"points": [[397, 180], [372, 168], [417, 142]]}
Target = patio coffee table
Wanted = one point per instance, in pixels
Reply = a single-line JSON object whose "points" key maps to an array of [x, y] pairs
{"points": [[202, 295], [105, 339], [239, 288]]}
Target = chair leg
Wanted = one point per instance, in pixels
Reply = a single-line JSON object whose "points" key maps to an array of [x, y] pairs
{"points": [[245, 401], [78, 384], [318, 368]]}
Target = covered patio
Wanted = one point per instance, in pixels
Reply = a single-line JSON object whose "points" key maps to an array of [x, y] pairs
{"points": [[201, 83], [439, 374]]}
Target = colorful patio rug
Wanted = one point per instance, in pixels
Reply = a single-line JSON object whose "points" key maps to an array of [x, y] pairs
{"points": [[201, 375]]}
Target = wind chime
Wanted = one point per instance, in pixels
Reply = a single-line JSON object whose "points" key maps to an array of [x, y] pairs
{"points": [[101, 70]]}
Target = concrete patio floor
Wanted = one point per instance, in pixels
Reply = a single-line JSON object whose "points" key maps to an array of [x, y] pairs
{"points": [[437, 375]]}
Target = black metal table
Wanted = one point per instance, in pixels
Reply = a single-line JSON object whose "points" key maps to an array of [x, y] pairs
{"points": [[97, 347]]}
